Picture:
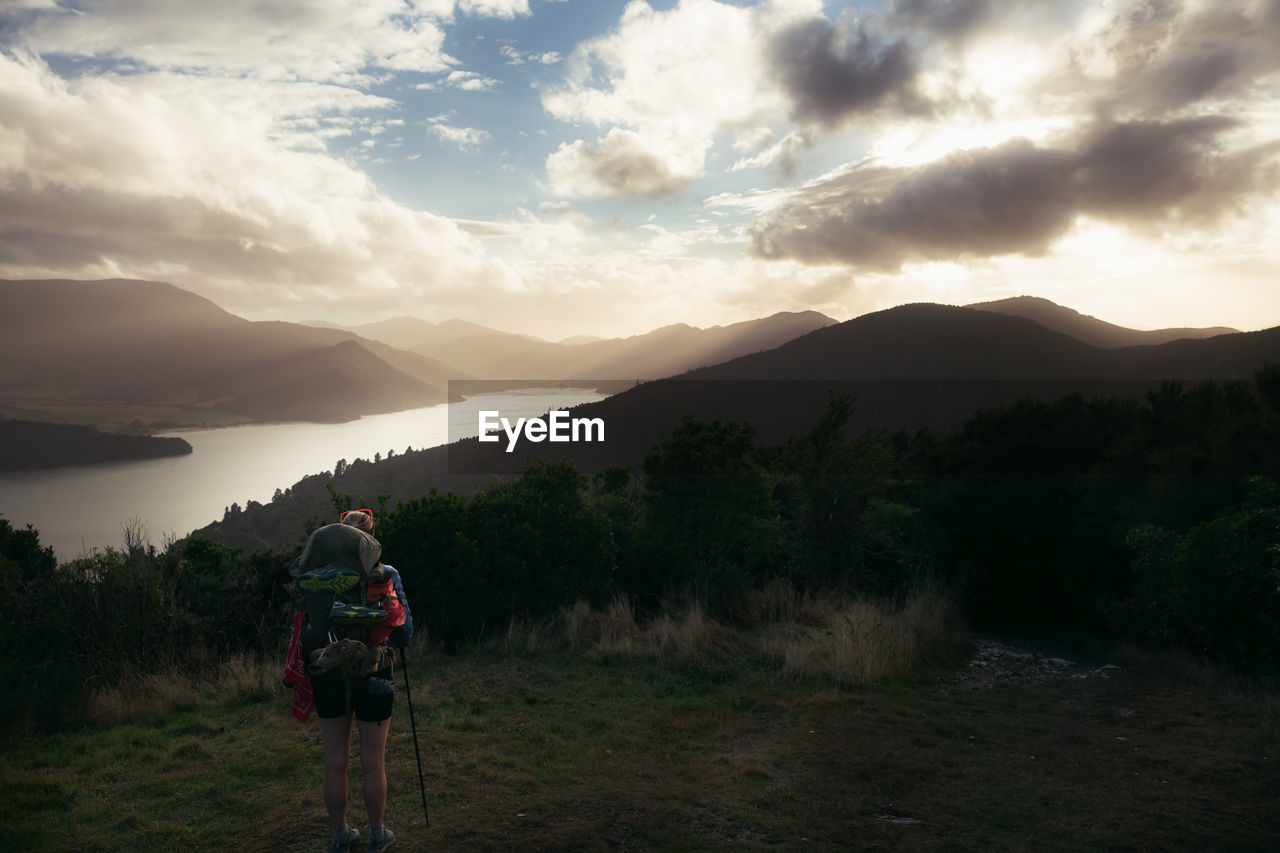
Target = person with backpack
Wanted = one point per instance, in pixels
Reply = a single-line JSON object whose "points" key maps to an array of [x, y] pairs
{"points": [[353, 611]]}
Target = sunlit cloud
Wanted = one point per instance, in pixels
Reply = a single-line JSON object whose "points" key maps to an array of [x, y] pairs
{"points": [[462, 138], [189, 190], [333, 40], [514, 57]]}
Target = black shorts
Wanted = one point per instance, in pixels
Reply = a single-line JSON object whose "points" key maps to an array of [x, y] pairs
{"points": [[369, 696]]}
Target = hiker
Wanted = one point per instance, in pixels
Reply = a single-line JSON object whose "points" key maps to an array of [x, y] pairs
{"points": [[350, 678]]}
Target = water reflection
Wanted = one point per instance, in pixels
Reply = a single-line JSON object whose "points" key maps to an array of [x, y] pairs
{"points": [[77, 509]]}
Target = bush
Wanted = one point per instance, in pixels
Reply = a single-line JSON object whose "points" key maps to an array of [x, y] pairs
{"points": [[520, 549], [709, 525], [1214, 590]]}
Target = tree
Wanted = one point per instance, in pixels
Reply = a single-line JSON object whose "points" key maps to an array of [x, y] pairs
{"points": [[847, 516], [709, 523], [520, 548], [21, 555]]}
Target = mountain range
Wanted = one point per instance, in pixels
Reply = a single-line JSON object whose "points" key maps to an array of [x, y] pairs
{"points": [[667, 351], [114, 345], [409, 332], [908, 367], [109, 351]]}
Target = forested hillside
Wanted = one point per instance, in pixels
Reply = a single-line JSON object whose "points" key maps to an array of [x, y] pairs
{"points": [[26, 445]]}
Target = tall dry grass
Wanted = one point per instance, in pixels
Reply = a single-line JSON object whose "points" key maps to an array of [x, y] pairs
{"points": [[832, 639], [140, 696], [860, 641], [828, 639]]}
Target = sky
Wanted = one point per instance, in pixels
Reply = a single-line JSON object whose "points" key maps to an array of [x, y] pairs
{"points": [[568, 167]]}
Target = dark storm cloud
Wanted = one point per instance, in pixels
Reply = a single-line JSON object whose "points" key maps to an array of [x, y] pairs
{"points": [[993, 201], [831, 71], [1016, 197], [1145, 169]]}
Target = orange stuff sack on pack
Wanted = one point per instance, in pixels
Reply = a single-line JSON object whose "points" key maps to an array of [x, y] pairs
{"points": [[383, 596]]}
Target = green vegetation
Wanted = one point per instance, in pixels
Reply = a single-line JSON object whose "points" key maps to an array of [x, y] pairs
{"points": [[593, 750], [85, 625], [1155, 522]]}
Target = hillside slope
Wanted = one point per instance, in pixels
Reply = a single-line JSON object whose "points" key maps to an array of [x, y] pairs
{"points": [[137, 342]]}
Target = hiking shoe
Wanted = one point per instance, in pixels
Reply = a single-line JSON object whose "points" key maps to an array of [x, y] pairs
{"points": [[336, 581], [342, 613], [346, 655], [343, 844], [379, 843]]}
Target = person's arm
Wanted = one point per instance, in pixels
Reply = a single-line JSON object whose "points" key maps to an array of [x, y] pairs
{"points": [[400, 635]]}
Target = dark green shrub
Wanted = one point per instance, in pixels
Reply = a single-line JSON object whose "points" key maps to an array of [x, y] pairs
{"points": [[709, 523]]}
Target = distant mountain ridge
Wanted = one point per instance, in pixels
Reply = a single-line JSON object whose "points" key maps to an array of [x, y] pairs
{"points": [[114, 344], [926, 341], [133, 342], [920, 341], [1091, 330], [667, 351], [408, 333]]}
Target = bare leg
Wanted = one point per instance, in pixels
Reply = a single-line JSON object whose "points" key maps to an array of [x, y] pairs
{"points": [[373, 750], [336, 734]]}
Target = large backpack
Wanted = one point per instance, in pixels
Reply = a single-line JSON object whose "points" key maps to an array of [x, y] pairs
{"points": [[346, 620]]}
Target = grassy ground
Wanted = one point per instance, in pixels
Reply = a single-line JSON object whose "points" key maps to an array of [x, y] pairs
{"points": [[586, 751]]}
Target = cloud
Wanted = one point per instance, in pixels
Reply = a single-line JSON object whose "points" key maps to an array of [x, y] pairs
{"points": [[941, 18], [782, 153], [136, 177], [561, 211], [660, 86], [462, 138], [1156, 56], [680, 79], [467, 81], [508, 9], [330, 40], [831, 71], [619, 165], [1017, 197], [515, 57]]}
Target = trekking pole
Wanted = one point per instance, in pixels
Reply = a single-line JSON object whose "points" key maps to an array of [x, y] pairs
{"points": [[408, 692]]}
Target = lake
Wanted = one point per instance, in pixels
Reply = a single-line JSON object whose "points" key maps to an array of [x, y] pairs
{"points": [[83, 507]]}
